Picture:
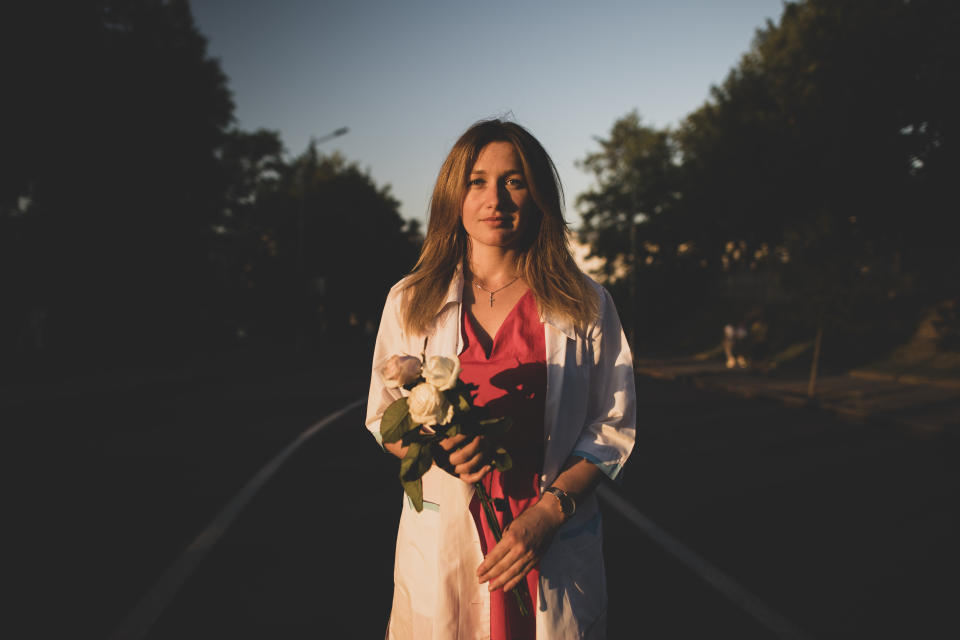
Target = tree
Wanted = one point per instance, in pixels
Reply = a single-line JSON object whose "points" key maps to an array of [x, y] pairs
{"points": [[306, 246], [820, 165], [843, 106], [354, 239], [117, 117], [636, 173], [243, 244]]}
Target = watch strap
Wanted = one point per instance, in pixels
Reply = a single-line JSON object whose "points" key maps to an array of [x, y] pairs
{"points": [[568, 505]]}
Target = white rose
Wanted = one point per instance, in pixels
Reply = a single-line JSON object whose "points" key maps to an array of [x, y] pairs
{"points": [[442, 372], [428, 406], [399, 370]]}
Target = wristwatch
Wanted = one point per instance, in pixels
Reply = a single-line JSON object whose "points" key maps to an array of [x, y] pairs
{"points": [[568, 506]]}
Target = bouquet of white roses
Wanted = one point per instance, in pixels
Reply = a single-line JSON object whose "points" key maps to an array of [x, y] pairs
{"points": [[439, 405]]}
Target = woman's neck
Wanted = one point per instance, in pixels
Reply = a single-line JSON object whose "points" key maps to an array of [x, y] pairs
{"points": [[493, 266]]}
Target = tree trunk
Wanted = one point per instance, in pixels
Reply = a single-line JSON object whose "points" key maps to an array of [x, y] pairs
{"points": [[812, 384]]}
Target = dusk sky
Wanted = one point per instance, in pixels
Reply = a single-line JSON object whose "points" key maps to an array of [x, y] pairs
{"points": [[408, 76]]}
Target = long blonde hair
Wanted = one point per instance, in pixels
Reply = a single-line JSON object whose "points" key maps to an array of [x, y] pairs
{"points": [[544, 259]]}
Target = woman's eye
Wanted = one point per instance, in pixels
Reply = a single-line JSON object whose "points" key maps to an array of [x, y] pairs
{"points": [[516, 183], [476, 182]]}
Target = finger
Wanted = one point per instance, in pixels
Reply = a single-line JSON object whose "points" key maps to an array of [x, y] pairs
{"points": [[464, 453], [495, 573], [451, 442], [512, 584], [503, 555], [511, 574], [478, 475], [470, 466], [500, 550]]}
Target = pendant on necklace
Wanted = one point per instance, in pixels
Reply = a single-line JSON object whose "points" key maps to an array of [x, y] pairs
{"points": [[482, 288]]}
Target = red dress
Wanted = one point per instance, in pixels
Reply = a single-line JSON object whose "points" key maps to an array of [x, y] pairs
{"points": [[511, 380]]}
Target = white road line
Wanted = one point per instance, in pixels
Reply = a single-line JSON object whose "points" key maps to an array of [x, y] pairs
{"points": [[723, 583], [148, 610], [136, 625]]}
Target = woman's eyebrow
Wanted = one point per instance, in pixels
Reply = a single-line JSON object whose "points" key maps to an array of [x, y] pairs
{"points": [[505, 173]]}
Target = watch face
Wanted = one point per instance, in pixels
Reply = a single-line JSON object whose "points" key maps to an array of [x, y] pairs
{"points": [[567, 505]]}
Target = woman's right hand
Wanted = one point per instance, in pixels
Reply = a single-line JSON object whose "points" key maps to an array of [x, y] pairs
{"points": [[469, 459]]}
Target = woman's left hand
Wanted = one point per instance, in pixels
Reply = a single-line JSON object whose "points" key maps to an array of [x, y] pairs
{"points": [[523, 544]]}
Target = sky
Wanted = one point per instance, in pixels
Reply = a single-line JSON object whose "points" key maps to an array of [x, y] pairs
{"points": [[407, 77]]}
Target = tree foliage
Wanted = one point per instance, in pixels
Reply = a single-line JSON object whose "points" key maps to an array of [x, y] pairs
{"points": [[820, 167], [305, 246], [111, 151], [134, 218], [637, 176]]}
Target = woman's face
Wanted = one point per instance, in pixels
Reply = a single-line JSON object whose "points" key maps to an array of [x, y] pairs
{"points": [[498, 206]]}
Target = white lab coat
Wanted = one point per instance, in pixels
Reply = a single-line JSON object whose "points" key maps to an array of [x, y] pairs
{"points": [[590, 412]]}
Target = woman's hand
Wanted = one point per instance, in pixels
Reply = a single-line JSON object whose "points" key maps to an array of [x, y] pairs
{"points": [[470, 460], [523, 544]]}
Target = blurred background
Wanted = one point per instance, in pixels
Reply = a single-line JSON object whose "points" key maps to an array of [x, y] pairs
{"points": [[787, 165], [210, 199]]}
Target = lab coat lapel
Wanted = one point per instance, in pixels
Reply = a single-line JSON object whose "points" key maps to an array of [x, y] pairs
{"points": [[446, 339], [558, 331]]}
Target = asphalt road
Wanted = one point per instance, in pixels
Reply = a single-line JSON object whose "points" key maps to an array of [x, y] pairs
{"points": [[845, 530]]}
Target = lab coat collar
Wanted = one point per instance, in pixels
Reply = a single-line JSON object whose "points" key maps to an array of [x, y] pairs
{"points": [[454, 291], [559, 322]]}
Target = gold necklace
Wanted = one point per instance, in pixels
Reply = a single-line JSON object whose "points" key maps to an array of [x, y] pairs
{"points": [[483, 288]]}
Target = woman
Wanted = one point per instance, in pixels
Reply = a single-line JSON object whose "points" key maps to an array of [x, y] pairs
{"points": [[496, 286]]}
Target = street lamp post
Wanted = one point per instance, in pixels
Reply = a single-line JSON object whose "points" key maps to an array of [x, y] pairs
{"points": [[303, 190], [301, 263]]}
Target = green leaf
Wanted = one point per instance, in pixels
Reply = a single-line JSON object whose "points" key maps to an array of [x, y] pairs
{"points": [[495, 427], [442, 459], [463, 402], [502, 460], [416, 462], [414, 435], [426, 459], [414, 489], [452, 430], [396, 421], [407, 463]]}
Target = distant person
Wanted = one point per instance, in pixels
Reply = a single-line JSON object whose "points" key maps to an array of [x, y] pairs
{"points": [[496, 286], [729, 336], [734, 342]]}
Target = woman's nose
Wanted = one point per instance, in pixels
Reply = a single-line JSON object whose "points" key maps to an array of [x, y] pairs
{"points": [[491, 195], [505, 203], [497, 196]]}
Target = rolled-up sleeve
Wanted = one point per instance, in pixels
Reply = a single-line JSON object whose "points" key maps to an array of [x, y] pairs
{"points": [[609, 434]]}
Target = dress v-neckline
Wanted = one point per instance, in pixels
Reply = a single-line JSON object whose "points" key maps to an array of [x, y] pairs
{"points": [[474, 325]]}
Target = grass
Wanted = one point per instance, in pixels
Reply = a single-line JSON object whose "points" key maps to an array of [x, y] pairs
{"points": [[917, 361], [920, 357]]}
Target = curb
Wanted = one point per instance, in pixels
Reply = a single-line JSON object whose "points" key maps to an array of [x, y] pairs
{"points": [[904, 378], [793, 401]]}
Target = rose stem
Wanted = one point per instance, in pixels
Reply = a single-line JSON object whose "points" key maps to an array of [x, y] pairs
{"points": [[520, 592]]}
